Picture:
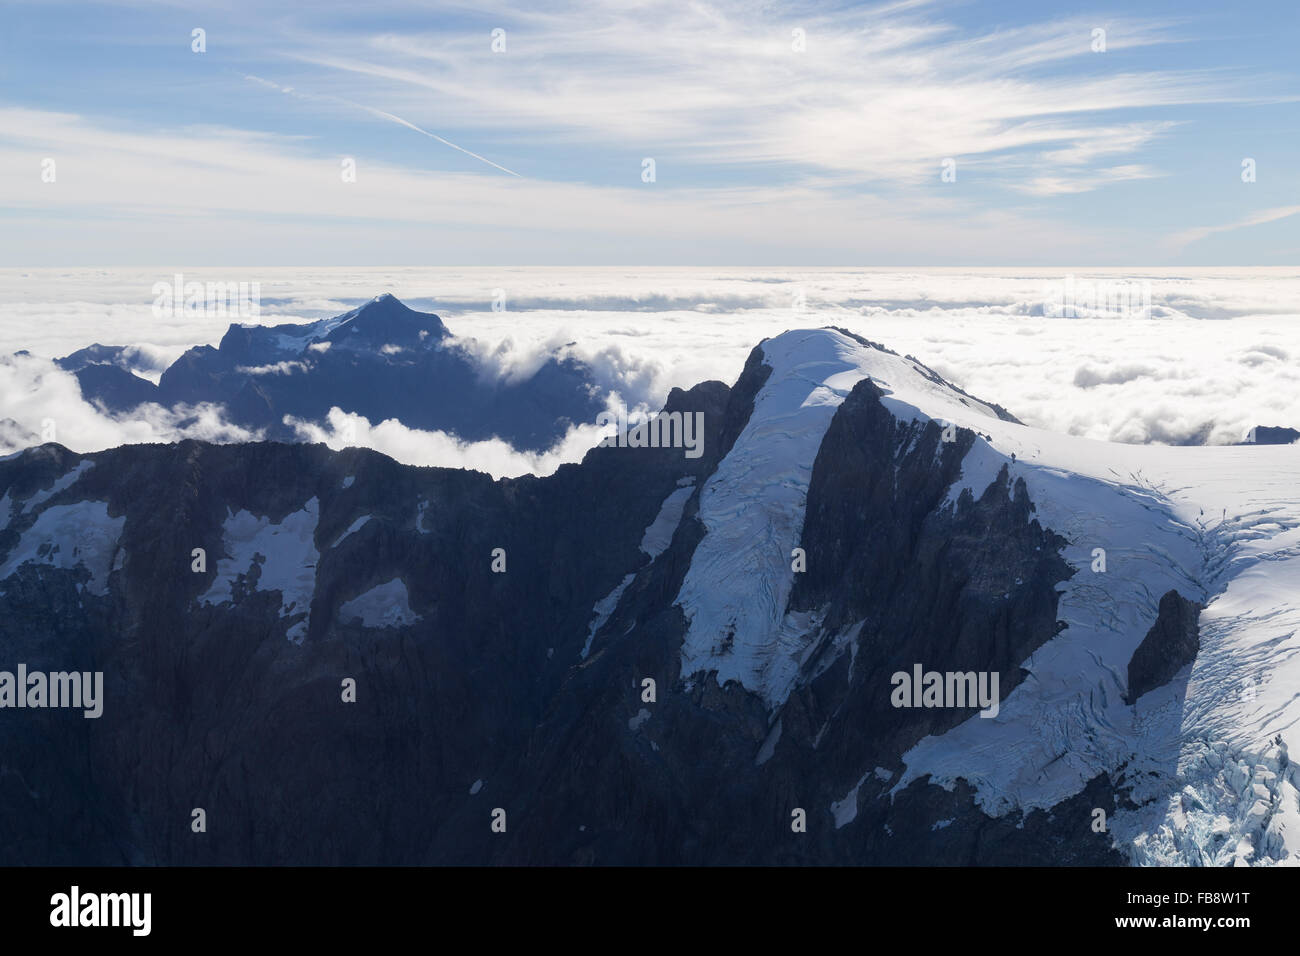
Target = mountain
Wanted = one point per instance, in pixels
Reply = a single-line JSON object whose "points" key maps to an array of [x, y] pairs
{"points": [[1272, 435], [381, 360], [1126, 615]]}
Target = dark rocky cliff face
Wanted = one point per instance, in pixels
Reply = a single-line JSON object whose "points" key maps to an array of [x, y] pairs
{"points": [[1170, 645], [969, 586], [485, 699]]}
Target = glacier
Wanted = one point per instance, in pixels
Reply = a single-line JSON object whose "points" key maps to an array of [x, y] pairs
{"points": [[1203, 758]]}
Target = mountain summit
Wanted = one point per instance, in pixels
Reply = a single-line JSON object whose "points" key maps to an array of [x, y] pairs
{"points": [[381, 360], [385, 320]]}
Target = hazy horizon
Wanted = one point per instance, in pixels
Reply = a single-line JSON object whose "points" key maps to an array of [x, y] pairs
{"points": [[1217, 352]]}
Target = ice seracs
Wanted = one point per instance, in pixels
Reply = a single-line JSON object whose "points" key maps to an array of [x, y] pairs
{"points": [[1219, 524]]}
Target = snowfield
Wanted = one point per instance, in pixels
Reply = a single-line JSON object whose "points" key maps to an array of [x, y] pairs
{"points": [[71, 536], [285, 555], [1206, 754], [1220, 525]]}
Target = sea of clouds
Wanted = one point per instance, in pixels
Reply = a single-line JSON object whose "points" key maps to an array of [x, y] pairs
{"points": [[1217, 353]]}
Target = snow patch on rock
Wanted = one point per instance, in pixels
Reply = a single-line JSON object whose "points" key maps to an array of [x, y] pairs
{"points": [[70, 536], [656, 539], [660, 533], [352, 529], [285, 554], [603, 609], [64, 481], [386, 605]]}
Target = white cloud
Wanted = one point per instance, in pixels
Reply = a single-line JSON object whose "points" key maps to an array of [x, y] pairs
{"points": [[277, 368], [1085, 182], [1189, 236], [150, 178], [882, 94], [40, 402], [413, 446], [1220, 354]]}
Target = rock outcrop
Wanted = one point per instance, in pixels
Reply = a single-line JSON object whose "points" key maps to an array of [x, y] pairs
{"points": [[1170, 645]]}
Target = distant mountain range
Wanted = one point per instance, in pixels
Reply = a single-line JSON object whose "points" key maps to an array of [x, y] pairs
{"points": [[381, 360], [758, 655]]}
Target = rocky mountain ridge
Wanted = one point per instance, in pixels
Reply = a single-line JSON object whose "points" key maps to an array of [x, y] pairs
{"points": [[381, 360], [852, 517]]}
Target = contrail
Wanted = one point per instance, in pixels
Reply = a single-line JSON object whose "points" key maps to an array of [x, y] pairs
{"points": [[409, 125], [388, 116]]}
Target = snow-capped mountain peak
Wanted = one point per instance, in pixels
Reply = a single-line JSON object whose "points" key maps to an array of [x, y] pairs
{"points": [[736, 593], [1203, 756], [381, 360], [385, 321]]}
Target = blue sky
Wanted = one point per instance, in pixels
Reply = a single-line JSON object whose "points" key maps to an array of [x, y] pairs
{"points": [[764, 154]]}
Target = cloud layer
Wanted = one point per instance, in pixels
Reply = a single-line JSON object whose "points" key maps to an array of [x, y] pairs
{"points": [[1219, 354]]}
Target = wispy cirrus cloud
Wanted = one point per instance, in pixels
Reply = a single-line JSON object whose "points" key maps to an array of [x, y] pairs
{"points": [[1189, 236], [780, 133], [882, 94], [229, 180], [1084, 182]]}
